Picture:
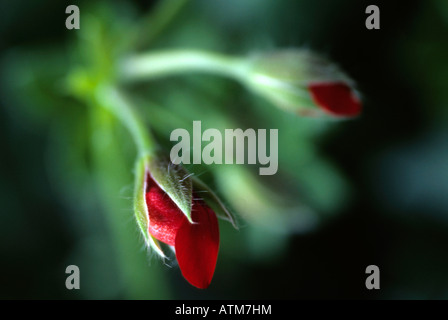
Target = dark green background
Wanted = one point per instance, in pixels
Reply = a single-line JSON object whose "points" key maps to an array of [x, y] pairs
{"points": [[395, 158]]}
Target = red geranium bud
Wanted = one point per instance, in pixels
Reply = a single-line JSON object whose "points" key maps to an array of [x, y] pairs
{"points": [[196, 244], [336, 98], [303, 82], [165, 217]]}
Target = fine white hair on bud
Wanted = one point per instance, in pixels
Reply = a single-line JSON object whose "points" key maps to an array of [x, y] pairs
{"points": [[303, 82]]}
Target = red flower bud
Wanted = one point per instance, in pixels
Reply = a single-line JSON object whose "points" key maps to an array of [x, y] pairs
{"points": [[196, 244], [303, 82], [336, 98]]}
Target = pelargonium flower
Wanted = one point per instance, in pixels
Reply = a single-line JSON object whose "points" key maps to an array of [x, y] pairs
{"points": [[303, 82], [169, 210], [336, 98], [196, 244]]}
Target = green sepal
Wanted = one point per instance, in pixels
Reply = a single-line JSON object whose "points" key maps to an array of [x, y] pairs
{"points": [[140, 206], [213, 201], [175, 181], [282, 77]]}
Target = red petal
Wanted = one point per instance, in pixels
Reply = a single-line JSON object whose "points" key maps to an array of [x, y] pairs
{"points": [[165, 217], [335, 98], [197, 246]]}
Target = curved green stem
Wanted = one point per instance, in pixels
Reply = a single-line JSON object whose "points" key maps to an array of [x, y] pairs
{"points": [[116, 102], [158, 19], [165, 63]]}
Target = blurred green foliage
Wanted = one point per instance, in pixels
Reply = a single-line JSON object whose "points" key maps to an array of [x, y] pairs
{"points": [[348, 194]]}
